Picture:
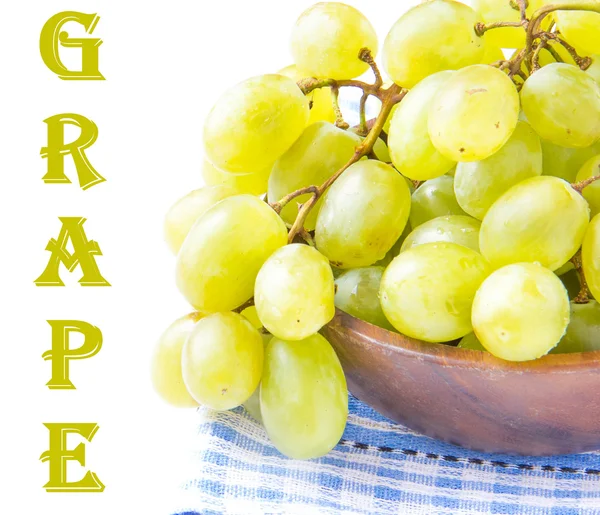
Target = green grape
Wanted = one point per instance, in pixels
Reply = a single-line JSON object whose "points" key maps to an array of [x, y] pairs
{"points": [[520, 312], [321, 109], [251, 315], [565, 162], [303, 397], [474, 114], [166, 372], [327, 39], [542, 219], [427, 291], [358, 295], [583, 332], [580, 28], [184, 213], [478, 184], [471, 342], [379, 148], [221, 256], [364, 213], [431, 37], [594, 69], [319, 152], [411, 149], [491, 52], [395, 250], [254, 123], [591, 193], [562, 104], [500, 10], [252, 405], [432, 199], [459, 229], [251, 183], [590, 255], [294, 292], [222, 360]]}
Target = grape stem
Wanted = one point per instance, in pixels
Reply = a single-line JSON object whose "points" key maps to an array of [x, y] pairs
{"points": [[583, 297], [339, 117], [482, 28], [245, 305], [579, 186]]}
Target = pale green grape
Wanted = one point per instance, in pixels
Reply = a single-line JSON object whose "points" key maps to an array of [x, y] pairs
{"points": [[459, 229], [431, 37], [474, 114], [182, 215], [166, 372], [478, 184], [327, 39], [252, 405], [303, 397], [223, 252], [500, 10], [594, 69], [542, 219], [251, 315], [294, 292], [590, 255], [471, 342], [358, 295], [251, 183], [321, 109], [591, 193], [580, 28], [222, 360], [432, 199], [562, 104], [254, 123], [583, 332], [380, 148], [520, 312], [319, 152], [411, 149], [427, 291], [565, 162], [491, 52], [364, 213], [395, 250]]}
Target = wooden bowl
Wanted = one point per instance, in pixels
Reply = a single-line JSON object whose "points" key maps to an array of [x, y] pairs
{"points": [[470, 398]]}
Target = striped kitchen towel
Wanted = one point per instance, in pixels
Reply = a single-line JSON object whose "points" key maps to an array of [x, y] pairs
{"points": [[378, 468]]}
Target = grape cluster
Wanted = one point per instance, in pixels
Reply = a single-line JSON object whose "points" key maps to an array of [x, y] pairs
{"points": [[461, 213]]}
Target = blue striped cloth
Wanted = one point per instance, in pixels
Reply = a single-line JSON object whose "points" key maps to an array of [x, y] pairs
{"points": [[378, 468]]}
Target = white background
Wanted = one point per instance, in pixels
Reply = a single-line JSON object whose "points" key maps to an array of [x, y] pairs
{"points": [[165, 64]]}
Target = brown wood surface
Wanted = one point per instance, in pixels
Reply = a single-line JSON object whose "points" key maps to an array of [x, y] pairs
{"points": [[470, 398]]}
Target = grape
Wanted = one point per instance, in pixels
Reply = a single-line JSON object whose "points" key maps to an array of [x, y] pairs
{"points": [[594, 69], [566, 162], [321, 150], [254, 123], [358, 295], [478, 184], [580, 28], [432, 199], [591, 193], [471, 342], [364, 213], [432, 37], [411, 149], [474, 114], [541, 219], [221, 256], [520, 312], [251, 315], [427, 291], [303, 397], [166, 362], [182, 215], [252, 405], [294, 292], [321, 103], [590, 254], [395, 250], [327, 39], [459, 229], [583, 332], [251, 183], [222, 361], [562, 104], [379, 148], [491, 52], [500, 10]]}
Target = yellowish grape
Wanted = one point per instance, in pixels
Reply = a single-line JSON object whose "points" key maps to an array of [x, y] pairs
{"points": [[252, 405], [222, 360], [251, 183], [363, 215], [583, 332], [251, 315], [474, 114], [431, 37], [254, 123], [591, 193], [590, 255], [459, 229], [580, 28], [432, 199], [471, 342], [491, 52], [427, 291], [594, 69], [327, 39], [223, 252], [294, 292], [303, 397], [520, 312], [565, 162]]}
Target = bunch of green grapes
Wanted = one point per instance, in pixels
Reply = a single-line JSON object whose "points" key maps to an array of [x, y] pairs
{"points": [[459, 215]]}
